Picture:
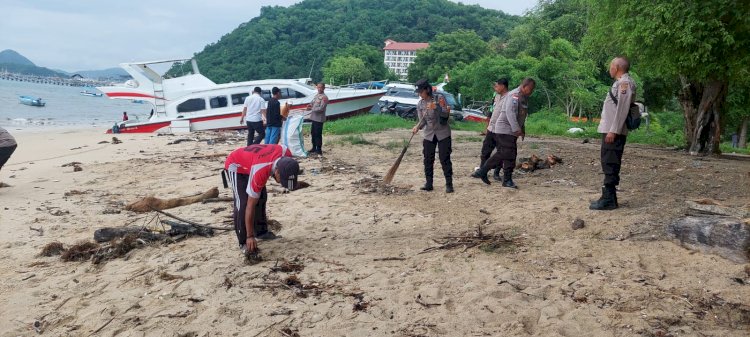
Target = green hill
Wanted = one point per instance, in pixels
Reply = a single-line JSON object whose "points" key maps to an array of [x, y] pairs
{"points": [[287, 42], [12, 57]]}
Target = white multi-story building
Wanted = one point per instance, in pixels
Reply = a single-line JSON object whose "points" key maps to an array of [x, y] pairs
{"points": [[399, 55]]}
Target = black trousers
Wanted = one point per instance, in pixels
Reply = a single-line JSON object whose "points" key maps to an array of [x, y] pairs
{"points": [[488, 145], [252, 129], [507, 151], [239, 182], [5, 153], [611, 157], [317, 136], [444, 153]]}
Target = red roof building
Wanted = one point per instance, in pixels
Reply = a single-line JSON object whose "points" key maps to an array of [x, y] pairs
{"points": [[399, 55]]}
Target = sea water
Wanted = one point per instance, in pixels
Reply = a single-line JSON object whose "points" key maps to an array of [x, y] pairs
{"points": [[65, 107]]}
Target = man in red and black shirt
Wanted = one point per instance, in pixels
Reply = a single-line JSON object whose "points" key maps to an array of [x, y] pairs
{"points": [[248, 170]]}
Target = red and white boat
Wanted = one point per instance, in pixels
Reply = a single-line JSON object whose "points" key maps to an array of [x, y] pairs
{"points": [[194, 102]]}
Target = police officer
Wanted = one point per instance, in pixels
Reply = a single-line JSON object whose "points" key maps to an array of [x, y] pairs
{"points": [[501, 89], [614, 132], [317, 109], [433, 113], [508, 127]]}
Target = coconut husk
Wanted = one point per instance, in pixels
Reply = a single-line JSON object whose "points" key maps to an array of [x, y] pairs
{"points": [[285, 110], [150, 203]]}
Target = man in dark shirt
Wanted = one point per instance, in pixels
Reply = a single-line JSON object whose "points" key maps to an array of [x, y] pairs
{"points": [[273, 117]]}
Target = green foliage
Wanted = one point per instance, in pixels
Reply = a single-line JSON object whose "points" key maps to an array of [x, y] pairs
{"points": [[698, 39], [345, 70], [372, 58], [290, 42], [447, 52]]}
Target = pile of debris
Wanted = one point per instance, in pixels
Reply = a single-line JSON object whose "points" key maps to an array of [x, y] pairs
{"points": [[534, 163], [486, 242]]}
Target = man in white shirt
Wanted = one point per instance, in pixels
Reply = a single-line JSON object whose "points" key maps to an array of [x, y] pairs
{"points": [[254, 110]]}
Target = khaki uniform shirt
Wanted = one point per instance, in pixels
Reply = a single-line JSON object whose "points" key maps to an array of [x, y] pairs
{"points": [[512, 114], [430, 121], [496, 108], [319, 105], [613, 115], [6, 140]]}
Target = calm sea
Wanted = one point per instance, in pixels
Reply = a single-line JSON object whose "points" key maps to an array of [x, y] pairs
{"points": [[66, 107]]}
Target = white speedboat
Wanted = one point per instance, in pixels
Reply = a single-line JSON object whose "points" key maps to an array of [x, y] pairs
{"points": [[194, 102]]}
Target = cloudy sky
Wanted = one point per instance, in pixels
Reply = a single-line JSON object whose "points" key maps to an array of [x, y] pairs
{"points": [[94, 34]]}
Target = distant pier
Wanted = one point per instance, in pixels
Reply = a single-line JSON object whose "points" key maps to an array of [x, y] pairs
{"points": [[74, 81]]}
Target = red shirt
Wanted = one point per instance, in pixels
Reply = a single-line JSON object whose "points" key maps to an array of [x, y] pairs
{"points": [[258, 161]]}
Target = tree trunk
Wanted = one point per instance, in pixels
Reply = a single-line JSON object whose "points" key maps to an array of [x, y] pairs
{"points": [[743, 133], [702, 105]]}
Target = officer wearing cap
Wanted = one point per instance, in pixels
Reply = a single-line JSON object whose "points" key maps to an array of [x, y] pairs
{"points": [[614, 132], [248, 170], [434, 113]]}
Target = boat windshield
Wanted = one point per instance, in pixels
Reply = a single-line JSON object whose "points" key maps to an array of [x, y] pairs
{"points": [[401, 92]]}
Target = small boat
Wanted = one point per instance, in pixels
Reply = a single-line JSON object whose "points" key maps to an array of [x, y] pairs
{"points": [[90, 94], [32, 101]]}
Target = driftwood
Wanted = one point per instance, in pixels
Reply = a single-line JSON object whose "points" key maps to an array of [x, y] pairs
{"points": [[534, 163], [192, 222], [725, 236], [148, 204], [221, 199]]}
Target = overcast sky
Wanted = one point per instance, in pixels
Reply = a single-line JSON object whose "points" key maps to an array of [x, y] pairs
{"points": [[95, 34]]}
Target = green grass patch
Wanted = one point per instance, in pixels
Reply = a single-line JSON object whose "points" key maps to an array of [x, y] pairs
{"points": [[726, 147], [664, 128], [366, 124]]}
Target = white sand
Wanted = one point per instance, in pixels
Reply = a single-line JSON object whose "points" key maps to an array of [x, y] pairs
{"points": [[616, 277]]}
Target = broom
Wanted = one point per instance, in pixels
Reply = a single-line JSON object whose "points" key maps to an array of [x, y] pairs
{"points": [[392, 172]]}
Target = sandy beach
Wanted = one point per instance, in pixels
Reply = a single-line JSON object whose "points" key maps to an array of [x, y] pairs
{"points": [[362, 268]]}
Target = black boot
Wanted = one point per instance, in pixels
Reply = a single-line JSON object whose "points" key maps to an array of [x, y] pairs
{"points": [[508, 179], [448, 184], [481, 173], [608, 200], [497, 176], [427, 185]]}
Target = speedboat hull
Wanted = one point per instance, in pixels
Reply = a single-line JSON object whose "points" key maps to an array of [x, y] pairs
{"points": [[337, 108]]}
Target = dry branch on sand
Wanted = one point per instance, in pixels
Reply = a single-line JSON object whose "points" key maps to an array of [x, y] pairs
{"points": [[150, 203], [487, 242]]}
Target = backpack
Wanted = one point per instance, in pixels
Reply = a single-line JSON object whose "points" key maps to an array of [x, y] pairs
{"points": [[633, 120]]}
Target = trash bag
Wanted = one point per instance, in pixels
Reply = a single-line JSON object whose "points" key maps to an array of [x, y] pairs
{"points": [[291, 135]]}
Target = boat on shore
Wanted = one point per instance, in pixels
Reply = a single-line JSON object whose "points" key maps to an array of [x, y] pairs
{"points": [[195, 103], [91, 94], [31, 101]]}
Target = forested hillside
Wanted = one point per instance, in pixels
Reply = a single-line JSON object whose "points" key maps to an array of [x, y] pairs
{"points": [[289, 42], [688, 59]]}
